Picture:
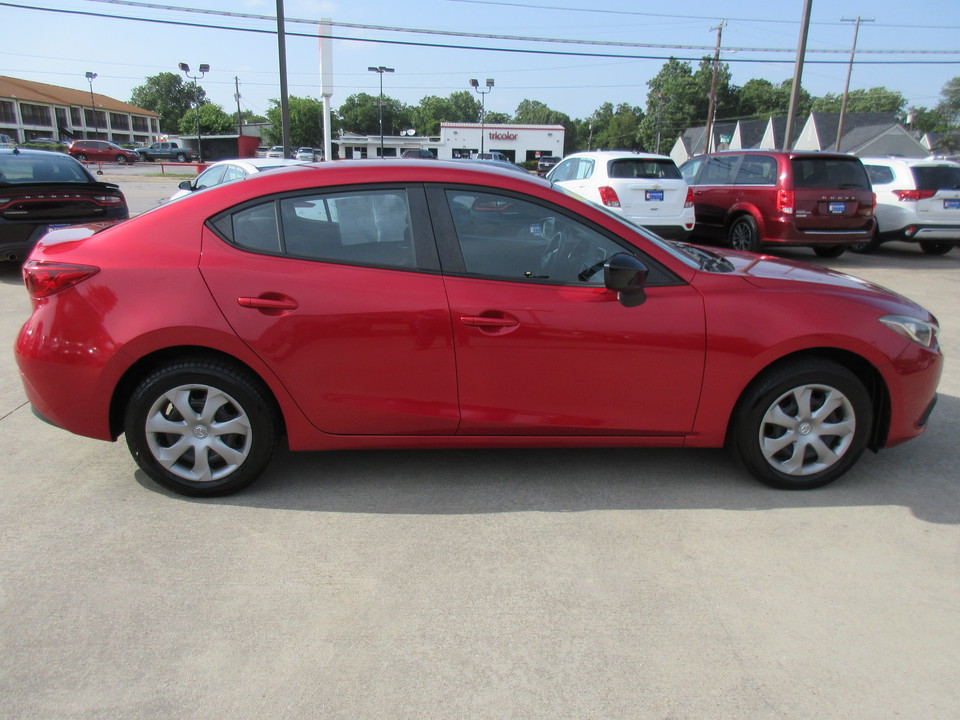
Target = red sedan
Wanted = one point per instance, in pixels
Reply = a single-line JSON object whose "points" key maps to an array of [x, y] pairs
{"points": [[409, 304]]}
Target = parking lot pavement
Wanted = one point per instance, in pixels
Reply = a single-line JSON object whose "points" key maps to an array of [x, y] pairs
{"points": [[484, 584]]}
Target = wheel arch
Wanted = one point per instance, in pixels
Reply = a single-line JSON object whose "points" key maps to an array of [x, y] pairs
{"points": [[738, 211], [132, 377], [861, 367]]}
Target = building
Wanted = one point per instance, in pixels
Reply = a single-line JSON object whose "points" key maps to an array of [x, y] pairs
{"points": [[864, 135], [520, 143], [31, 110]]}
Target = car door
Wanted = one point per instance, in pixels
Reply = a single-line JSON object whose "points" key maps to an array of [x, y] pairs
{"points": [[542, 347], [715, 192], [339, 294]]}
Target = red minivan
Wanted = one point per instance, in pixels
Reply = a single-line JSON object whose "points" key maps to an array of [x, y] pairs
{"points": [[752, 198]]}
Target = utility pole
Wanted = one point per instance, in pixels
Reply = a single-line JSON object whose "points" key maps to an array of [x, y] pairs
{"points": [[797, 73], [713, 87], [284, 96], [846, 88], [236, 96]]}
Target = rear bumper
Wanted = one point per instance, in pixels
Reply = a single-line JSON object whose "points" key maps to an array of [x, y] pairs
{"points": [[922, 231], [783, 231]]}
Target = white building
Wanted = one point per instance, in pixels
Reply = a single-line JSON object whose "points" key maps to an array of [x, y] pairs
{"points": [[520, 143]]}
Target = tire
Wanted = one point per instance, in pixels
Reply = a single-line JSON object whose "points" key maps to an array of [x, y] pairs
{"points": [[828, 251], [201, 427], [932, 247], [121, 160], [743, 234], [782, 434], [181, 158], [81, 157], [870, 246]]}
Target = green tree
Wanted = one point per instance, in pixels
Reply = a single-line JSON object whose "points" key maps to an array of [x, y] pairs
{"points": [[460, 106], [213, 121], [675, 102], [167, 95], [615, 128], [924, 120], [949, 105], [877, 99], [762, 99], [534, 112], [306, 122], [360, 114], [498, 118]]}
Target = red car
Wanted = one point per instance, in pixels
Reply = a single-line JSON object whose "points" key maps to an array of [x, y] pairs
{"points": [[750, 198], [101, 151], [405, 304]]}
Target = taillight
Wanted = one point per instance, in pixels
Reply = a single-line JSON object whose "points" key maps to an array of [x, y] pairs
{"points": [[785, 202], [608, 196], [45, 279], [913, 195], [111, 200], [689, 201]]}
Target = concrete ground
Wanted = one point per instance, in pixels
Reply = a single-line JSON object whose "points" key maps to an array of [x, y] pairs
{"points": [[483, 584]]}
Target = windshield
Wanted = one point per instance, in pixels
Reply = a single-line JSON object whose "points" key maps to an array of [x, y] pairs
{"points": [[47, 167]]}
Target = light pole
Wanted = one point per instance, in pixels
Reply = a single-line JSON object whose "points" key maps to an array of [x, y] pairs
{"points": [[91, 76], [204, 69], [483, 104], [380, 70]]}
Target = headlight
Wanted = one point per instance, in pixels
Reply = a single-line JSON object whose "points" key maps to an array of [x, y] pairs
{"points": [[920, 331]]}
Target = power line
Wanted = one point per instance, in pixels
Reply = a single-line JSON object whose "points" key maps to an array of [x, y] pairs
{"points": [[460, 46]]}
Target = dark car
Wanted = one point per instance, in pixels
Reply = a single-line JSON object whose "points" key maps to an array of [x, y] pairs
{"points": [[751, 198], [422, 153], [101, 151], [545, 164], [402, 303], [41, 191]]}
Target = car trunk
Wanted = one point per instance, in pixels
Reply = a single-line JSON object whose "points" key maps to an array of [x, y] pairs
{"points": [[831, 194], [648, 186], [943, 181]]}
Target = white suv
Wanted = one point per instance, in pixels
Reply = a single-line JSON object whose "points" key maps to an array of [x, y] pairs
{"points": [[645, 189], [917, 201]]}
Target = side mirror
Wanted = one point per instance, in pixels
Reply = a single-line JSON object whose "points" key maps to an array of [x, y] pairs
{"points": [[626, 275], [185, 185]]}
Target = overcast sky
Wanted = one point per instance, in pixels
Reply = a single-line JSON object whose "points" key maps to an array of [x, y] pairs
{"points": [[58, 48]]}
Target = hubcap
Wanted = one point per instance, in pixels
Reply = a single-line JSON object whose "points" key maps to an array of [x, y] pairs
{"points": [[807, 430], [198, 432]]}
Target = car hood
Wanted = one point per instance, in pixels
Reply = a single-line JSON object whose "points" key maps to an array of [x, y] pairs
{"points": [[768, 272]]}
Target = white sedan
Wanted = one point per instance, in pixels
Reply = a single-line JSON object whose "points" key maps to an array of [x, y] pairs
{"points": [[226, 171]]}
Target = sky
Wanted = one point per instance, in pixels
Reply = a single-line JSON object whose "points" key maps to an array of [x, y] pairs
{"points": [[116, 40]]}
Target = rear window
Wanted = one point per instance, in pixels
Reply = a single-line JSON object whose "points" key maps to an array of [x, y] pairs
{"points": [[642, 168], [840, 173], [937, 177], [21, 169], [880, 174]]}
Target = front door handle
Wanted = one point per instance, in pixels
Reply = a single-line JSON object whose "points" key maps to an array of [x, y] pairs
{"points": [[268, 303], [488, 322]]}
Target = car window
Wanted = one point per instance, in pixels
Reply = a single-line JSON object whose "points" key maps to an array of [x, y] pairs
{"points": [[253, 228], [584, 169], [563, 171], [643, 168], [511, 239], [937, 177], [818, 172], [757, 170], [209, 178], [232, 172], [720, 170], [357, 228], [690, 169], [879, 174]]}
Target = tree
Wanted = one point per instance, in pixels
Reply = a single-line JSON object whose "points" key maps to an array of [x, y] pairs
{"points": [[306, 122], [675, 102], [460, 106], [924, 120], [213, 121], [167, 95], [534, 112], [615, 128], [360, 114], [762, 99], [877, 99], [949, 105]]}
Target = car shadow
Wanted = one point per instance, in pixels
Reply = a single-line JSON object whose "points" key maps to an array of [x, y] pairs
{"points": [[920, 475], [10, 273]]}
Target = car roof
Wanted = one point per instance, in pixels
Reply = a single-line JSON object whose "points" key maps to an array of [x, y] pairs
{"points": [[617, 155], [912, 162], [256, 163]]}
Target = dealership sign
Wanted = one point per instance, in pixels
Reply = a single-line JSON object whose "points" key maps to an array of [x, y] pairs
{"points": [[502, 136]]}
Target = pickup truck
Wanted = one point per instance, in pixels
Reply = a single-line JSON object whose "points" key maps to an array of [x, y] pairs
{"points": [[167, 151]]}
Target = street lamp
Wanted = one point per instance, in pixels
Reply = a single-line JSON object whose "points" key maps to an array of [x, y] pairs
{"points": [[380, 70], [204, 69], [91, 76], [483, 104]]}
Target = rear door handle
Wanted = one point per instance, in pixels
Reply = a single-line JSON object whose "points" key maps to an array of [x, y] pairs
{"points": [[488, 322], [268, 303]]}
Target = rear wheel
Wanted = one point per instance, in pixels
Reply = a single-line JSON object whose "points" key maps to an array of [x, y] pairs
{"points": [[743, 234], [802, 425], [201, 427], [828, 251], [121, 159], [932, 247], [81, 157], [181, 158]]}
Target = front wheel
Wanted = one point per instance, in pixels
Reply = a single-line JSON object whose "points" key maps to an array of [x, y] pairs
{"points": [[802, 425], [743, 234], [81, 157], [201, 427], [181, 158], [121, 159], [828, 251], [932, 247]]}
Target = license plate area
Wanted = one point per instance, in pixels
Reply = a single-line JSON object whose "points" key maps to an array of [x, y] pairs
{"points": [[951, 204], [653, 195], [837, 208]]}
